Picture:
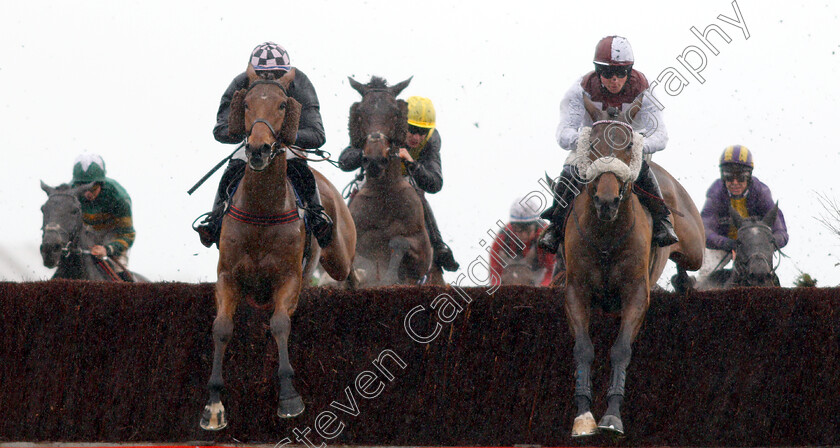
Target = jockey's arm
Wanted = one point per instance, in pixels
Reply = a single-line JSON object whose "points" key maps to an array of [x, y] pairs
{"points": [[220, 131], [123, 230], [572, 116], [649, 123], [496, 268], [426, 170], [311, 127], [714, 240]]}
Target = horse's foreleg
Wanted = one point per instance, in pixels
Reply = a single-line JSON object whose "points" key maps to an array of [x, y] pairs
{"points": [[399, 247], [213, 417], [291, 404], [577, 313], [632, 315]]}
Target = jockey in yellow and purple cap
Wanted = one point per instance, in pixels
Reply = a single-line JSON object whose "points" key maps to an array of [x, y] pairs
{"points": [[738, 188]]}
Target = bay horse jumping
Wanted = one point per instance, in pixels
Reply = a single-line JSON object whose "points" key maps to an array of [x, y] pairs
{"points": [[754, 251], [610, 261], [263, 240], [393, 245], [66, 241]]}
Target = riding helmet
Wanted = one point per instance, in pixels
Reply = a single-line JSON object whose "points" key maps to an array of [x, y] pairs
{"points": [[522, 211], [737, 156], [421, 112], [613, 50], [88, 168], [270, 56]]}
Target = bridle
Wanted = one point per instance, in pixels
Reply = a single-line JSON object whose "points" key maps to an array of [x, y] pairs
{"points": [[739, 267], [70, 247], [277, 147]]}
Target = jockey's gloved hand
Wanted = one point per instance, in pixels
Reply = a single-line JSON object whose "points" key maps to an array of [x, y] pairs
{"points": [[729, 244]]}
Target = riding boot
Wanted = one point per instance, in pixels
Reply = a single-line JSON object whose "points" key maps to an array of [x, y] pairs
{"points": [[442, 254], [301, 177], [209, 229], [565, 190], [651, 198]]}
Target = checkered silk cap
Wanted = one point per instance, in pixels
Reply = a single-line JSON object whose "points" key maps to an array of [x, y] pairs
{"points": [[270, 56]]}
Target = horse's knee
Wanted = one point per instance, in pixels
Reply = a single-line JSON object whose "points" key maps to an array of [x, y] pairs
{"points": [[281, 325], [222, 329], [584, 352], [620, 353]]}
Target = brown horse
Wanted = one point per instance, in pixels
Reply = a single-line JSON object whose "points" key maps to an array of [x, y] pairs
{"points": [[610, 261], [393, 245], [262, 241], [522, 270]]}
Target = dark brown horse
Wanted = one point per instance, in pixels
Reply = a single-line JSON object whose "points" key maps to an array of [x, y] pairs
{"points": [[66, 241], [262, 241], [754, 253], [393, 245], [609, 258]]}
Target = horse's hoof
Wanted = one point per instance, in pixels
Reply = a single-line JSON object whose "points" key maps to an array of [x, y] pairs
{"points": [[213, 417], [290, 407], [611, 424], [584, 426]]}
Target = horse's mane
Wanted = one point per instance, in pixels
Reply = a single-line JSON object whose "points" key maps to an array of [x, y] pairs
{"points": [[377, 83]]}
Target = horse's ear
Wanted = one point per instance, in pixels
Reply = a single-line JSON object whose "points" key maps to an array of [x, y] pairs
{"points": [[236, 116], [47, 189], [288, 133], [634, 108], [286, 80], [395, 90], [355, 127], [252, 74], [770, 217], [357, 86], [591, 108], [737, 219], [551, 182]]}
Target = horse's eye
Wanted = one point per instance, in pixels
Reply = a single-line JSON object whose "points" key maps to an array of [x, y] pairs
{"points": [[282, 106], [75, 211], [246, 106]]}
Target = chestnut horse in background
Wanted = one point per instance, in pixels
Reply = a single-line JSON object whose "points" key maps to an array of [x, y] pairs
{"points": [[393, 245], [262, 240], [609, 257]]}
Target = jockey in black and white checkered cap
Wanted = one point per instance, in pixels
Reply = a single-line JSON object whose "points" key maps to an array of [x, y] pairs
{"points": [[271, 61]]}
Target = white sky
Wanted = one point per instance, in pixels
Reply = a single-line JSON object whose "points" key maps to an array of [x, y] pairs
{"points": [[139, 83]]}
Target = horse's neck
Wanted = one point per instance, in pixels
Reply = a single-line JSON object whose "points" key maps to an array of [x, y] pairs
{"points": [[265, 191], [607, 230], [71, 267]]}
